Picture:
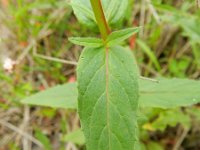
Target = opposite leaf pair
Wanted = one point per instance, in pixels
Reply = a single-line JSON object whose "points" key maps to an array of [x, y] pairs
{"points": [[168, 93], [113, 38]]}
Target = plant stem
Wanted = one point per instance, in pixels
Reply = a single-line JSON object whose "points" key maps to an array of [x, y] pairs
{"points": [[100, 18]]}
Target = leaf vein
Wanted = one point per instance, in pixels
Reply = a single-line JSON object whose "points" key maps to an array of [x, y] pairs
{"points": [[93, 76]]}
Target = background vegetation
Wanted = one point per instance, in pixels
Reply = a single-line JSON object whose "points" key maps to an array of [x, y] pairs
{"points": [[35, 54]]}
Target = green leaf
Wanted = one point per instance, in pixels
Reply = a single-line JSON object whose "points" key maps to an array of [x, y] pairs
{"points": [[88, 42], [76, 137], [114, 11], [149, 53], [108, 98], [169, 93], [61, 96], [43, 139], [165, 119], [154, 146], [196, 52], [83, 11], [117, 37]]}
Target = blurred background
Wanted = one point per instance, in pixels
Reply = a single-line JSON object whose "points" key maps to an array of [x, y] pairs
{"points": [[35, 54]]}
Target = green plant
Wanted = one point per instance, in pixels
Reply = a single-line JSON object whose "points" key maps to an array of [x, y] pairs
{"points": [[109, 89]]}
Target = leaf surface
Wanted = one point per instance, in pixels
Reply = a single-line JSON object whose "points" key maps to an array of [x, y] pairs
{"points": [[169, 93], [114, 10], [165, 119], [76, 137], [159, 95], [88, 42], [149, 53], [83, 11], [108, 98], [60, 96], [121, 35]]}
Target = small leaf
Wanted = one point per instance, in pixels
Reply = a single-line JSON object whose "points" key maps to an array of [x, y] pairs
{"points": [[169, 93], [165, 119], [117, 37], [43, 139], [87, 42], [60, 96], [76, 137], [150, 53]]}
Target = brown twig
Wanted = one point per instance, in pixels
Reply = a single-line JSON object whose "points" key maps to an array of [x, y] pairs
{"points": [[181, 138]]}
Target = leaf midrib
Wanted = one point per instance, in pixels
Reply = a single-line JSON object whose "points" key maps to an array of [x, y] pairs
{"points": [[107, 94]]}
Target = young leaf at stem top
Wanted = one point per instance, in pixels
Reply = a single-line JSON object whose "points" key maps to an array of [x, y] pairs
{"points": [[87, 42], [117, 37]]}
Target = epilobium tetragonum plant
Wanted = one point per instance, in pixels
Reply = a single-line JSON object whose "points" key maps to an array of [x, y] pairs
{"points": [[109, 89]]}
